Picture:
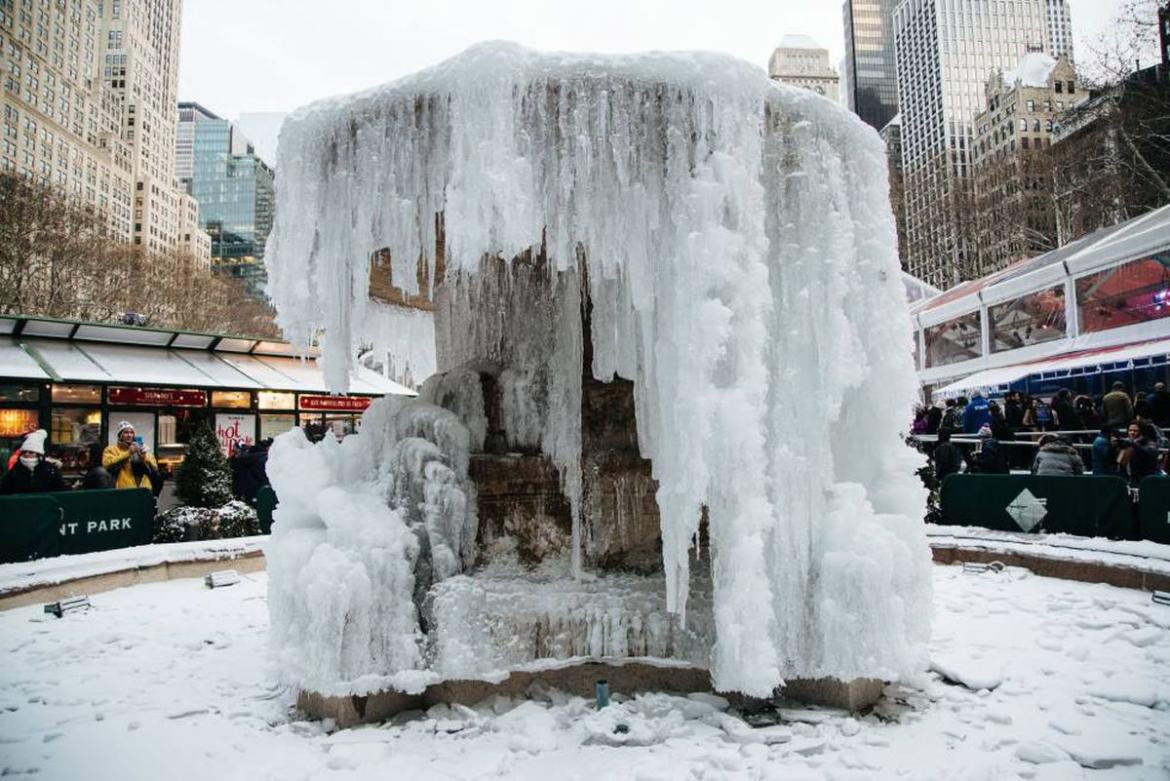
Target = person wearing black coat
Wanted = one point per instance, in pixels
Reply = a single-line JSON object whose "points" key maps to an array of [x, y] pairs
{"points": [[94, 474], [32, 474], [948, 459], [249, 471], [933, 419], [1067, 418], [1139, 452], [1013, 411]]}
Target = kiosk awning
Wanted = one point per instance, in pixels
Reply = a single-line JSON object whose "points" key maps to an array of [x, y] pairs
{"points": [[62, 360]]}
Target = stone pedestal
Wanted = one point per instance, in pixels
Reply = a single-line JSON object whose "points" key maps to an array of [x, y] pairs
{"points": [[627, 678]]}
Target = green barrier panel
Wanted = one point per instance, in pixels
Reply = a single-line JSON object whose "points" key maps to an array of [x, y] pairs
{"points": [[29, 528], [265, 504], [1154, 508], [105, 519], [1085, 505]]}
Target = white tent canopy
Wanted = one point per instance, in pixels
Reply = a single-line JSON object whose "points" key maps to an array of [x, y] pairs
{"points": [[991, 380]]}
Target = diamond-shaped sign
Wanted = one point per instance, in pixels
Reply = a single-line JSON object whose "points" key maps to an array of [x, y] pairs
{"points": [[1027, 510]]}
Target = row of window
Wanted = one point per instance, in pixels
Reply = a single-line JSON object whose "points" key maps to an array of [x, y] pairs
{"points": [[1131, 293]]}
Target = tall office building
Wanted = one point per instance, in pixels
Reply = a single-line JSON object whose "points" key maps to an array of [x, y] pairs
{"points": [[945, 52], [219, 167], [802, 62], [61, 126], [869, 76], [89, 91], [141, 67], [1060, 38]]}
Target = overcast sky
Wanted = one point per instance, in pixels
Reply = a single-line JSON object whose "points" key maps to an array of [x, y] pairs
{"points": [[275, 55]]}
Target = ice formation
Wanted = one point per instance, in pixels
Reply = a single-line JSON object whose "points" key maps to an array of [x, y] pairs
{"points": [[732, 244], [400, 342]]}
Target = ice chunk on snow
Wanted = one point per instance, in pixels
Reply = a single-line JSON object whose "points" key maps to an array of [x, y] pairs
{"points": [[1040, 753], [975, 674], [733, 242]]}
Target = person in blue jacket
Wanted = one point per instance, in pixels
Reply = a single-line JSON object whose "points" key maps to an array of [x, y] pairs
{"points": [[977, 415], [1105, 452]]}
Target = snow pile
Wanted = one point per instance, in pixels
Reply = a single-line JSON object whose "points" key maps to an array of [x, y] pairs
{"points": [[1033, 70], [169, 680], [733, 243], [362, 526]]}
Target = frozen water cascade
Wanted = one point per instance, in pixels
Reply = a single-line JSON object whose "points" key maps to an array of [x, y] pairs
{"points": [[732, 244]]}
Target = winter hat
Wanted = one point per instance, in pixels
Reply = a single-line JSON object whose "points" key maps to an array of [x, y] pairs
{"points": [[984, 432], [35, 442], [125, 424]]}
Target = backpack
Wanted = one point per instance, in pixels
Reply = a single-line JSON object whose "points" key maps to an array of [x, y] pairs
{"points": [[1043, 414]]}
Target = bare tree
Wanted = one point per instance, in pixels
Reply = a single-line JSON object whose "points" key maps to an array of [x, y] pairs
{"points": [[57, 259]]}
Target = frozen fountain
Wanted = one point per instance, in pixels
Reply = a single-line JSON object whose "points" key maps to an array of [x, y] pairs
{"points": [[673, 362]]}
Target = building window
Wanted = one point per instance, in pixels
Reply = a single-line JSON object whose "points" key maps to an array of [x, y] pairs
{"points": [[1059, 87], [1072, 87]]}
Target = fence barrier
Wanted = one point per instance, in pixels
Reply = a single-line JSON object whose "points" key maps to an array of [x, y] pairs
{"points": [[1085, 505], [38, 526], [1154, 508]]}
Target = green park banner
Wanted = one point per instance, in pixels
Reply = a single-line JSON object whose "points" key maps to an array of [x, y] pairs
{"points": [[42, 525], [1154, 508], [1085, 505], [30, 527]]}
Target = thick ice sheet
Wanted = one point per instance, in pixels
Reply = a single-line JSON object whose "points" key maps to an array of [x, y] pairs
{"points": [[735, 242]]}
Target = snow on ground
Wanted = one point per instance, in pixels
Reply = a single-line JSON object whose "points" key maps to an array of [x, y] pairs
{"points": [[170, 680]]}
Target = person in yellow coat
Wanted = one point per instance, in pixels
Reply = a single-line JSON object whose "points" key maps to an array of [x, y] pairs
{"points": [[130, 464]]}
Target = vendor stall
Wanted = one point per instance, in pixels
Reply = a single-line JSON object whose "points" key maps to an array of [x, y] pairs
{"points": [[78, 380]]}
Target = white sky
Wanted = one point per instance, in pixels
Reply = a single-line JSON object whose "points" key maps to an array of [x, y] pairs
{"points": [[275, 55]]}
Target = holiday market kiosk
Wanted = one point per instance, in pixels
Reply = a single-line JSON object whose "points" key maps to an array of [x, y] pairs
{"points": [[77, 380]]}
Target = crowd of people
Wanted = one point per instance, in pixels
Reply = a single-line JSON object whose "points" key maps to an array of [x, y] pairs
{"points": [[1121, 435], [124, 464], [127, 463]]}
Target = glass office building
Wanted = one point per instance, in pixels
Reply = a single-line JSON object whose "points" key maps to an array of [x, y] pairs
{"points": [[234, 188], [870, 71]]}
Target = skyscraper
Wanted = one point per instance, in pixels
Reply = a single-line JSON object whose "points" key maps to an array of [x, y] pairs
{"points": [[945, 52], [802, 62], [87, 106], [219, 167], [61, 126], [141, 68], [870, 73], [1059, 29]]}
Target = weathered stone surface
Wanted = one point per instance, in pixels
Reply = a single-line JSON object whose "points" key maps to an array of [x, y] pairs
{"points": [[623, 677], [519, 497], [851, 695], [619, 510]]}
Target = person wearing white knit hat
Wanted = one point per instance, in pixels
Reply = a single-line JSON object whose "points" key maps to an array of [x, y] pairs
{"points": [[128, 461], [32, 473]]}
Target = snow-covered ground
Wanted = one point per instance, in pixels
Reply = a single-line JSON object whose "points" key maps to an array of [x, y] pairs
{"points": [[170, 680]]}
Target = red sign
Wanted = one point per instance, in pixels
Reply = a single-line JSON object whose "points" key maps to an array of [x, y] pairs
{"points": [[342, 403], [157, 397]]}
